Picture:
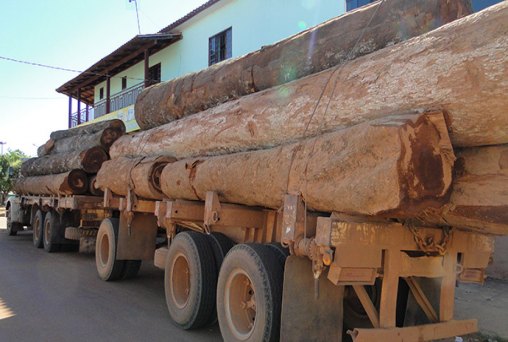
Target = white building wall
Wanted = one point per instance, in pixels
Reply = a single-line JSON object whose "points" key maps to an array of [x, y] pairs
{"points": [[254, 23]]}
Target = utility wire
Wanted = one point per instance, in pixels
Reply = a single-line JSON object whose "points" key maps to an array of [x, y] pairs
{"points": [[65, 69]]}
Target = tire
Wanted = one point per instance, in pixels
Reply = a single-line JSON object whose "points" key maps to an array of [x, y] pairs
{"points": [[108, 268], [250, 276], [38, 227], [282, 252], [221, 245], [131, 269], [12, 227], [190, 280], [51, 232], [72, 233]]}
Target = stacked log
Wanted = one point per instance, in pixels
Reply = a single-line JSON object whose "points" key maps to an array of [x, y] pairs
{"points": [[74, 182], [332, 43], [440, 70], [66, 156], [373, 136], [391, 166], [141, 175]]}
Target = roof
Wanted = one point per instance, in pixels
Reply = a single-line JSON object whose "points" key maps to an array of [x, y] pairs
{"points": [[127, 55]]}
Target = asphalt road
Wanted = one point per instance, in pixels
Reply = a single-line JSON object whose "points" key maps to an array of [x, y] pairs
{"points": [[59, 297]]}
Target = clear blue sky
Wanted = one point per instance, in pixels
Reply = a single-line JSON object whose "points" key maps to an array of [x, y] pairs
{"points": [[66, 33]]}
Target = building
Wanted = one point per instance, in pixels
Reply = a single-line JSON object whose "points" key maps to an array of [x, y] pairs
{"points": [[217, 30]]}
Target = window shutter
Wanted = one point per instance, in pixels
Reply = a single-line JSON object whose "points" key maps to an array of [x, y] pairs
{"points": [[229, 43]]}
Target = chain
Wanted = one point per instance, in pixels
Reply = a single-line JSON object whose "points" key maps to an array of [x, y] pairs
{"points": [[427, 244]]}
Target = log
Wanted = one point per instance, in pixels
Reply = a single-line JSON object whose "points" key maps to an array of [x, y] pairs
{"points": [[89, 160], [92, 188], [479, 198], [332, 43], [141, 175], [74, 182], [45, 148], [461, 68], [393, 167], [104, 138], [89, 129]]}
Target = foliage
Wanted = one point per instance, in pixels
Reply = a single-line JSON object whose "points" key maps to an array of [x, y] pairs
{"points": [[10, 164]]}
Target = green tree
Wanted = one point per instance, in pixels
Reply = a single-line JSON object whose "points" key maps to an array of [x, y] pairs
{"points": [[10, 164]]}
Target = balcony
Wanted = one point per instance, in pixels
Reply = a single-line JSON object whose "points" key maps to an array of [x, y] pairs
{"points": [[86, 114], [118, 101]]}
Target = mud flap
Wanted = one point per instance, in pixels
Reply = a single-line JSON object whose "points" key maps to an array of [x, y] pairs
{"points": [[305, 317], [137, 240]]}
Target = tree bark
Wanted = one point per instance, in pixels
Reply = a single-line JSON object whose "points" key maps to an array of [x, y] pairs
{"points": [[141, 175], [479, 198], [45, 148], [89, 160], [74, 182], [104, 138], [393, 167], [332, 43], [88, 129], [460, 68]]}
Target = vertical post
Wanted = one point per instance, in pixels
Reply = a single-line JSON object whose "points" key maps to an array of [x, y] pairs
{"points": [[108, 95], [447, 295], [70, 111], [389, 289], [79, 106], [87, 109], [147, 68]]}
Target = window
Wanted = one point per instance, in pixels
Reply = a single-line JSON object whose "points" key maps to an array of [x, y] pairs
{"points": [[479, 5], [101, 93], [220, 47], [352, 4], [154, 74], [124, 82]]}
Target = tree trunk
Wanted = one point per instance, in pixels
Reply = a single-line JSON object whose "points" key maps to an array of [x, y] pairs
{"points": [[104, 138], [460, 68], [392, 167], [479, 198], [88, 129], [332, 43], [89, 160], [142, 175], [92, 188], [74, 182]]}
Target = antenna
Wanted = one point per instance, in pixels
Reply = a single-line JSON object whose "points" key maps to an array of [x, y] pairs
{"points": [[137, 13]]}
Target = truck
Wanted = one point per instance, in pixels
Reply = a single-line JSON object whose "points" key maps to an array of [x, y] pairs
{"points": [[301, 271]]}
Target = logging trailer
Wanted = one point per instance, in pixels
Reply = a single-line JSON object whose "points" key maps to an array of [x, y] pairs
{"points": [[254, 269]]}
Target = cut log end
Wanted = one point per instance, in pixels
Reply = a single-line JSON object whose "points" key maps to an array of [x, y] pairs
{"points": [[92, 188], [93, 158], [109, 136], [78, 182]]}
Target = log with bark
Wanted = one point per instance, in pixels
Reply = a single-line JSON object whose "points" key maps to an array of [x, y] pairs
{"points": [[74, 182], [479, 197], [45, 148], [92, 186], [89, 160], [460, 68], [394, 167], [338, 40], [141, 175], [104, 138], [89, 129]]}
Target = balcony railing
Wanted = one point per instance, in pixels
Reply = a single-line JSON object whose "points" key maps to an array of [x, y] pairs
{"points": [[76, 119], [121, 100]]}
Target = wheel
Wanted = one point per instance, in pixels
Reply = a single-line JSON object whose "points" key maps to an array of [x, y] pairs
{"points": [[108, 267], [190, 280], [51, 232], [282, 252], [131, 269], [12, 227], [38, 227], [221, 245], [249, 294]]}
